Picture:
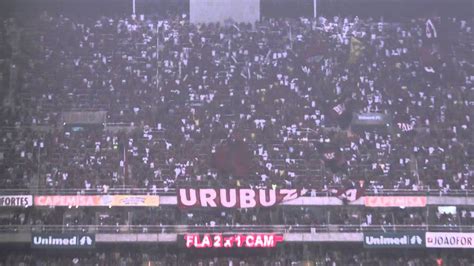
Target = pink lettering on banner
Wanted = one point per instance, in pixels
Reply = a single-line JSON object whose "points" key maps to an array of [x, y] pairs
{"points": [[247, 198], [73, 200], [96, 200], [234, 198], [230, 241], [270, 201], [228, 200], [449, 240], [208, 197], [183, 197], [395, 201]]}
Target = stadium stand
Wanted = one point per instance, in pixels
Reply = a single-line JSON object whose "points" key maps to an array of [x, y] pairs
{"points": [[106, 116], [254, 97]]}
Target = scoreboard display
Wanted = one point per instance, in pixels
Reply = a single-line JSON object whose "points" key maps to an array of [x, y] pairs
{"points": [[232, 241]]}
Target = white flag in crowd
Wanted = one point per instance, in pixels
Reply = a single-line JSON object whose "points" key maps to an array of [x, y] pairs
{"points": [[430, 30], [405, 127]]}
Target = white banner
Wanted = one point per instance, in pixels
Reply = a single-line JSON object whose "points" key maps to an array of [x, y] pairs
{"points": [[235, 197], [16, 201], [449, 240], [211, 11]]}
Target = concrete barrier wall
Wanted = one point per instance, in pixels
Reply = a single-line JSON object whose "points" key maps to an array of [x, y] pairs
{"points": [[323, 237], [15, 238], [135, 238], [168, 200], [456, 201], [173, 238]]}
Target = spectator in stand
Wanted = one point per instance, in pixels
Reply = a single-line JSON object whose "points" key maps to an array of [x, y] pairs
{"points": [[285, 98]]}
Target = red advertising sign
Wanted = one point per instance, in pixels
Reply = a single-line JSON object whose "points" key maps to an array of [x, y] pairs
{"points": [[395, 201], [234, 197], [72, 200], [231, 241], [97, 200]]}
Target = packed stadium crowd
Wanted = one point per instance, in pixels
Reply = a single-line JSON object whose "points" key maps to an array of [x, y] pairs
{"points": [[96, 103], [268, 105], [235, 92]]}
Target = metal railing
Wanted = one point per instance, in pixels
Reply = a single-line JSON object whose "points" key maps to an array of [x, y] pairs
{"points": [[183, 229], [172, 192]]}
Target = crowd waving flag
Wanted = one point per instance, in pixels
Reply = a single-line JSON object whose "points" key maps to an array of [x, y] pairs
{"points": [[357, 47], [233, 157], [430, 30], [349, 194]]}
